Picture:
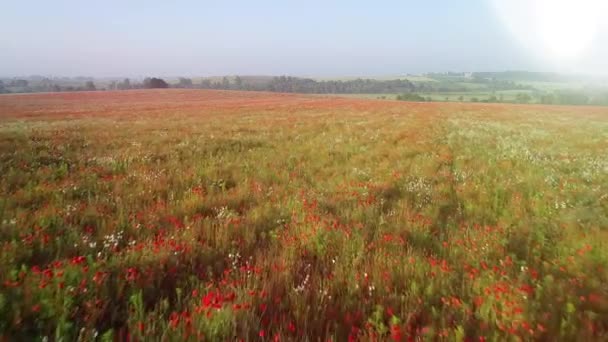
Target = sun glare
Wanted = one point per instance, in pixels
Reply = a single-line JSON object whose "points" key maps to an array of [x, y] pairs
{"points": [[556, 30]]}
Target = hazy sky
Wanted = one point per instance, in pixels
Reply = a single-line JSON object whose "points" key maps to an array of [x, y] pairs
{"points": [[313, 37]]}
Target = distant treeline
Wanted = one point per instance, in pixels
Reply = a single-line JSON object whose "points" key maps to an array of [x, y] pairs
{"points": [[147, 83], [49, 85], [289, 84], [284, 84], [559, 97], [44, 85], [443, 83], [565, 97], [358, 86]]}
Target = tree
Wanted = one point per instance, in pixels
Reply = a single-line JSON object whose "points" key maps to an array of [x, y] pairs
{"points": [[19, 83], [184, 83], [225, 83], [523, 98], [90, 86], [46, 84], [410, 97], [155, 83], [571, 97], [547, 99], [238, 82], [206, 83], [600, 99], [125, 84]]}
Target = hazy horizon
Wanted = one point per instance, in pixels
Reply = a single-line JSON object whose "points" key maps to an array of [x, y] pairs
{"points": [[187, 38]]}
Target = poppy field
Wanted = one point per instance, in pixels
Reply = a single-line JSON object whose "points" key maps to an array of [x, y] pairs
{"points": [[206, 215]]}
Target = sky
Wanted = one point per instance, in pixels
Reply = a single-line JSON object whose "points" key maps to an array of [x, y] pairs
{"points": [[304, 38]]}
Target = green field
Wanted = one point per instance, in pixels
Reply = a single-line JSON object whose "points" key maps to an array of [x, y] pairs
{"points": [[467, 96]]}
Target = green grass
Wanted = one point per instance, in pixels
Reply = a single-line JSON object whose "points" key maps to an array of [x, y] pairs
{"points": [[467, 96], [551, 86]]}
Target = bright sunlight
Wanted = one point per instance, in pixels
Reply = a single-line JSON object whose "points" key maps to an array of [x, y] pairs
{"points": [[558, 30]]}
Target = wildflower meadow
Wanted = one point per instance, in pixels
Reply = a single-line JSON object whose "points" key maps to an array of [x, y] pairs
{"points": [[205, 215]]}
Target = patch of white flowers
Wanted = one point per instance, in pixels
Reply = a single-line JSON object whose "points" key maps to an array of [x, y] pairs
{"points": [[562, 204], [111, 241], [461, 176], [234, 258], [69, 187], [10, 222], [102, 161], [152, 176], [304, 284], [70, 209], [86, 241], [224, 213], [422, 188], [551, 180], [371, 289], [363, 174], [324, 293]]}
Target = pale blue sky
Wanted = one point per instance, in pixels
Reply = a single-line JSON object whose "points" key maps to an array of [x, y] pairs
{"points": [[307, 38]]}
